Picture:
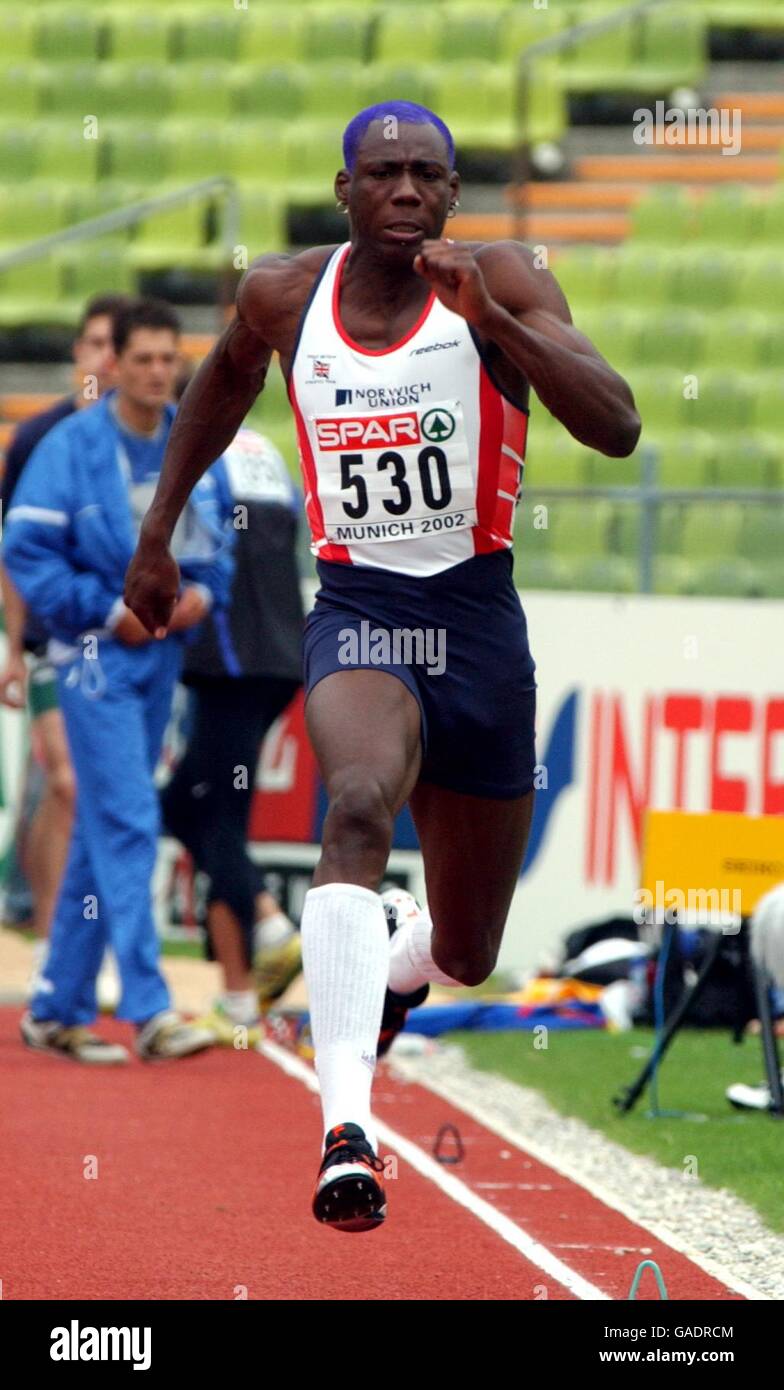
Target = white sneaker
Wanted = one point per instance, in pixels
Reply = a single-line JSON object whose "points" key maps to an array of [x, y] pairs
{"points": [[166, 1035], [107, 986], [749, 1097], [76, 1042]]}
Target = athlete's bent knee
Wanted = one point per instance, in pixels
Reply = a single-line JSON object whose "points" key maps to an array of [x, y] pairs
{"points": [[467, 969], [359, 822], [61, 786]]}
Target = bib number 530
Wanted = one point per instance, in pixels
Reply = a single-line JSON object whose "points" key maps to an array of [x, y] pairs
{"points": [[433, 478]]}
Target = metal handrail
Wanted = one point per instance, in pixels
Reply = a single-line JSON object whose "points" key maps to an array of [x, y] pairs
{"points": [[650, 498], [132, 213], [544, 48]]}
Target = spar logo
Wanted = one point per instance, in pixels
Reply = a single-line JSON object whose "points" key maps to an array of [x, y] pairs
{"points": [[672, 750], [369, 431], [438, 425]]}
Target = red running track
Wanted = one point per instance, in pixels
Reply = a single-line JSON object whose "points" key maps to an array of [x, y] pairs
{"points": [[204, 1176]]}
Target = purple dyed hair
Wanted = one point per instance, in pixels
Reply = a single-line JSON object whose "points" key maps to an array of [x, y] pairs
{"points": [[405, 111]]}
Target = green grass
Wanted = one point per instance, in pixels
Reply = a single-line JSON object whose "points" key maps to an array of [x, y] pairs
{"points": [[579, 1073]]}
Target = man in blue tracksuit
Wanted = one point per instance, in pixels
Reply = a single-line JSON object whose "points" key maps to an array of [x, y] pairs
{"points": [[68, 539]]}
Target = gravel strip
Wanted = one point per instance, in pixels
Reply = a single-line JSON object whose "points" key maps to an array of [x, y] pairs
{"points": [[710, 1225]]}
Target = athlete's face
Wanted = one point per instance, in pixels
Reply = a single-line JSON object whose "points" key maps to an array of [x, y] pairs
{"points": [[147, 367], [401, 187]]}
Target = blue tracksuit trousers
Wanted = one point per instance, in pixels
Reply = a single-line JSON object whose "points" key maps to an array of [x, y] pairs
{"points": [[116, 708]]}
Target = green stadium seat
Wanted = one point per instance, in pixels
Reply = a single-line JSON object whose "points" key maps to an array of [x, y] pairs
{"points": [[274, 399], [602, 471], [333, 91], [68, 33], [136, 153], [673, 50], [580, 528], [711, 530], [762, 542], [262, 221], [470, 33], [729, 577], [95, 267], [686, 459], [705, 279], [93, 200], [727, 217], [137, 35], [723, 402], [599, 62], [21, 90], [202, 90], [195, 150], [403, 81], [313, 157], [554, 459], [585, 276], [547, 116], [669, 529], [642, 276], [174, 237], [29, 213], [615, 332], [32, 294], [73, 89], [770, 342], [670, 337], [271, 35], [18, 30], [665, 216], [201, 35], [747, 461], [19, 150], [340, 34], [477, 103], [767, 390], [735, 341], [65, 154], [398, 35], [658, 394], [256, 154], [759, 280], [770, 211], [523, 26], [274, 93], [625, 528], [139, 91]]}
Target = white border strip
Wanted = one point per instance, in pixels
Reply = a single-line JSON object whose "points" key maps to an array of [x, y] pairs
{"points": [[539, 1151], [452, 1187]]}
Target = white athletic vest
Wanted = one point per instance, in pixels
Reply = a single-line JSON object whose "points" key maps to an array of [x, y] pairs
{"points": [[412, 458]]}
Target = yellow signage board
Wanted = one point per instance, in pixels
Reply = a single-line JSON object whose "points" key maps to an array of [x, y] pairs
{"points": [[700, 856]]}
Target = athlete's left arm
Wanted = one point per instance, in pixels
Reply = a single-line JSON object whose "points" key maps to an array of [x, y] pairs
{"points": [[522, 309]]}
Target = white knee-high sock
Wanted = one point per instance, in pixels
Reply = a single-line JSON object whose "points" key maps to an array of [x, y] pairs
{"points": [[345, 949], [411, 963]]}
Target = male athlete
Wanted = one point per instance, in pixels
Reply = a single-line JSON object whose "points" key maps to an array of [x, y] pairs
{"points": [[408, 361]]}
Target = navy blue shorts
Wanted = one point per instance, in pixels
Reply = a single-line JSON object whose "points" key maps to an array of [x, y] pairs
{"points": [[458, 640]]}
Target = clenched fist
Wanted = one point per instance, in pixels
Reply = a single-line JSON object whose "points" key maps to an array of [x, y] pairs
{"points": [[152, 584], [454, 274]]}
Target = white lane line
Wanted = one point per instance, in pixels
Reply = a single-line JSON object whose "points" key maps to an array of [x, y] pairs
{"points": [[484, 1116], [513, 1234]]}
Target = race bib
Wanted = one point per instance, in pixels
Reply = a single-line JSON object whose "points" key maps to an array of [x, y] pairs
{"points": [[394, 475]]}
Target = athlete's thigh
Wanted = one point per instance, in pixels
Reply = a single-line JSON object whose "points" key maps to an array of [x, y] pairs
{"points": [[367, 722], [473, 849]]}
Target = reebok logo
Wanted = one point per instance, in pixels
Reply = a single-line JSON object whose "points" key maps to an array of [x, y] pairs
{"points": [[433, 347]]}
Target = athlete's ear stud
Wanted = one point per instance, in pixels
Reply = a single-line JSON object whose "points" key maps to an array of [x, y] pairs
{"points": [[342, 207], [453, 208]]}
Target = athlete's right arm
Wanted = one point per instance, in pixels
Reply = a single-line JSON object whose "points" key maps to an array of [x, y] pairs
{"points": [[211, 411]]}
